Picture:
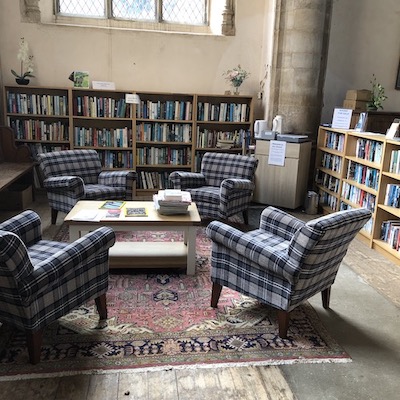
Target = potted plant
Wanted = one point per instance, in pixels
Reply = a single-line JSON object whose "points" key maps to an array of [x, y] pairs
{"points": [[26, 61], [377, 96], [236, 77]]}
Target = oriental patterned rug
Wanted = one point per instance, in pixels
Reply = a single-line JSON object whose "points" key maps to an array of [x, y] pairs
{"points": [[162, 320]]}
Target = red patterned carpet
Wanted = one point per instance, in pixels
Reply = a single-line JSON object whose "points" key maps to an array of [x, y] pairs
{"points": [[163, 319]]}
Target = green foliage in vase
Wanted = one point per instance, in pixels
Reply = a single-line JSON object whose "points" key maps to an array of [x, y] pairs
{"points": [[378, 94]]}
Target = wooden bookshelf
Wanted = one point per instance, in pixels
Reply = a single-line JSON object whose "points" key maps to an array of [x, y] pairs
{"points": [[362, 169], [165, 132]]}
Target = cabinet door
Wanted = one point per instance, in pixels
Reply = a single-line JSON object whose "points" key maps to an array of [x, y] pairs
{"points": [[283, 186]]}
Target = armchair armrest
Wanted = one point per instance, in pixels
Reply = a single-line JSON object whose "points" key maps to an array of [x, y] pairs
{"points": [[66, 262], [231, 184], [116, 178], [187, 180], [277, 262], [280, 223], [62, 183], [26, 225]]}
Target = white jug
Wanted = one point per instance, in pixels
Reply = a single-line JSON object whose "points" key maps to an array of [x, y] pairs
{"points": [[277, 124], [260, 126]]}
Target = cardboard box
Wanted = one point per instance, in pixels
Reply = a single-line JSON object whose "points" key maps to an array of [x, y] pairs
{"points": [[16, 197], [362, 95], [355, 104]]}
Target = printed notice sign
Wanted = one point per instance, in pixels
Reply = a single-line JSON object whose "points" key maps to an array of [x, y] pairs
{"points": [[342, 118], [132, 98], [277, 152]]}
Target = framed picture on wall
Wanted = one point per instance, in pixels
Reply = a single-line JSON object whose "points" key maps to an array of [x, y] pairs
{"points": [[398, 79]]}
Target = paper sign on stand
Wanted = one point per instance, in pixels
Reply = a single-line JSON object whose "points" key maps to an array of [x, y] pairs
{"points": [[342, 118], [277, 152]]}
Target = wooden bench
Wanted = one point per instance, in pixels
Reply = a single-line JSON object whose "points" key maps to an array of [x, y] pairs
{"points": [[16, 164]]}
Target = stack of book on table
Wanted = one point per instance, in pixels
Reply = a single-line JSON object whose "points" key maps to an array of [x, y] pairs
{"points": [[172, 201]]}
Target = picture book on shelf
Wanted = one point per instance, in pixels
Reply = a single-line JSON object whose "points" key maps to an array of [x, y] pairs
{"points": [[136, 212], [112, 204]]}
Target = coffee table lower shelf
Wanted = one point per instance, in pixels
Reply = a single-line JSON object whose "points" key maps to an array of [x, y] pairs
{"points": [[141, 254]]}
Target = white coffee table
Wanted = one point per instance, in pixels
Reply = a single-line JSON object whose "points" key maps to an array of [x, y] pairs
{"points": [[143, 254]]}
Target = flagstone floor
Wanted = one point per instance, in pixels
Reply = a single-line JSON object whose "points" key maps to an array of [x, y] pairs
{"points": [[364, 318]]}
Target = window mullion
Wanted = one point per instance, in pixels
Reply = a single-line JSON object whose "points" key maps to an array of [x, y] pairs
{"points": [[108, 9], [159, 13]]}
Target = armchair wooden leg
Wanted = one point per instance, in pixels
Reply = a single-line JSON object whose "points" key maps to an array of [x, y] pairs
{"points": [[326, 297], [283, 323], [34, 341], [215, 293], [101, 305], [54, 214]]}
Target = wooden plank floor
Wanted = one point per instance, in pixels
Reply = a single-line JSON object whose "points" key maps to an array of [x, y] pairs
{"points": [[261, 383]]}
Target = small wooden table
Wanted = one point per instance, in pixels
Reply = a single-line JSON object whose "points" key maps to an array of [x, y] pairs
{"points": [[143, 254], [12, 172]]}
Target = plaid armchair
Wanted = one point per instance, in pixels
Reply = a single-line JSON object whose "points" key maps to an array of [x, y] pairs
{"points": [[223, 187], [42, 280], [285, 261], [73, 175]]}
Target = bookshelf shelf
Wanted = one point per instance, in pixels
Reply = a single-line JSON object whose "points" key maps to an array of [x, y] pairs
{"points": [[125, 133]]}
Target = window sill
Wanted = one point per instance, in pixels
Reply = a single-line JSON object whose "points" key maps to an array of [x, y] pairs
{"points": [[131, 26]]}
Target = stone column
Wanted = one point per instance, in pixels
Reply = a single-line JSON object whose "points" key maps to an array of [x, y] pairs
{"points": [[30, 10], [228, 19], [298, 63]]}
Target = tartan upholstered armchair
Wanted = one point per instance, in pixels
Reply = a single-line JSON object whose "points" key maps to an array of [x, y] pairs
{"points": [[285, 261], [223, 187], [73, 175], [42, 280]]}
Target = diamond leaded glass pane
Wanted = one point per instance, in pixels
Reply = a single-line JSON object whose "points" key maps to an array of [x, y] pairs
{"points": [[134, 9], [184, 11], [92, 8], [191, 12]]}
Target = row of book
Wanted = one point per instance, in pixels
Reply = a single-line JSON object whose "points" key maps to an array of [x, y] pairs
{"points": [[31, 129], [101, 107], [364, 175], [334, 140], [358, 196], [394, 165], [209, 138], [392, 195], [153, 179], [164, 132], [172, 110], [370, 150], [119, 137], [328, 181], [223, 112], [115, 159], [39, 148], [390, 233], [328, 200], [38, 104], [163, 155], [332, 162]]}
